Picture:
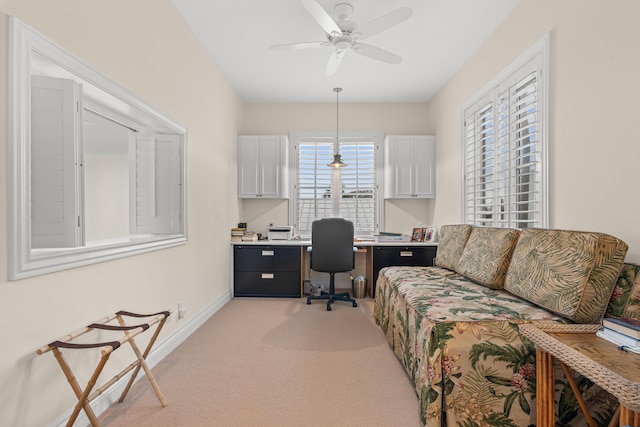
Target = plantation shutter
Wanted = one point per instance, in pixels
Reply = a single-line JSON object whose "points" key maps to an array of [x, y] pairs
{"points": [[317, 184], [479, 166], [56, 159], [526, 153], [358, 185], [157, 187], [503, 162]]}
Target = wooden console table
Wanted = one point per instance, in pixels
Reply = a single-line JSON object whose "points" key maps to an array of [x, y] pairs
{"points": [[578, 347]]}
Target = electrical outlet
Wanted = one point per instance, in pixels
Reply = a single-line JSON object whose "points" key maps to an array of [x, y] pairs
{"points": [[181, 311]]}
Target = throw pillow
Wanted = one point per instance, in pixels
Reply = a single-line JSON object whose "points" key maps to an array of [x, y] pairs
{"points": [[487, 254], [451, 242], [570, 273]]}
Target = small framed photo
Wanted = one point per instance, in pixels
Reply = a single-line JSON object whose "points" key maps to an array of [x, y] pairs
{"points": [[417, 235], [429, 234]]}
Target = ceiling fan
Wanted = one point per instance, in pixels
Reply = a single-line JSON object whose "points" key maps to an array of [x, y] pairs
{"points": [[343, 34]]}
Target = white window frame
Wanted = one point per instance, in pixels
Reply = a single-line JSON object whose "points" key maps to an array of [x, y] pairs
{"points": [[535, 59], [345, 137], [25, 44]]}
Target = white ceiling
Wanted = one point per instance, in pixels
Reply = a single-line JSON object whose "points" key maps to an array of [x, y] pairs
{"points": [[434, 43]]}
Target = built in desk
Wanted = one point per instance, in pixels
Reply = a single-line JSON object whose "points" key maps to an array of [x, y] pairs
{"points": [[278, 268]]}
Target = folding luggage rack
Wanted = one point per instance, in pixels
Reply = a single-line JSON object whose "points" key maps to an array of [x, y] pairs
{"points": [[85, 396]]}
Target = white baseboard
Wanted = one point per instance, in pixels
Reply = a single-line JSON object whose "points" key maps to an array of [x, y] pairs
{"points": [[112, 394]]}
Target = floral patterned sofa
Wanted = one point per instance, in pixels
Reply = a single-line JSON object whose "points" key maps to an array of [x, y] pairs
{"points": [[454, 326]]}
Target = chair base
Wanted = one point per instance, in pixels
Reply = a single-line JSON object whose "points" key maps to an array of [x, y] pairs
{"points": [[331, 297]]}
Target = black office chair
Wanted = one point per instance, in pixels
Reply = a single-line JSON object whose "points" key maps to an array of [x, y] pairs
{"points": [[332, 252]]}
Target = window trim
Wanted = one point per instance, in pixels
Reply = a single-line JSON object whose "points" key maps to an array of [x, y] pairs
{"points": [[23, 261], [506, 78], [376, 137]]}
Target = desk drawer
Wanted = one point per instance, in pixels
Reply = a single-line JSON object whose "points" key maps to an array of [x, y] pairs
{"points": [[267, 284], [266, 258], [387, 256]]}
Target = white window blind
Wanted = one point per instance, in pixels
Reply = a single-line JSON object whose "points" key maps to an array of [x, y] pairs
{"points": [[350, 192], [504, 140]]}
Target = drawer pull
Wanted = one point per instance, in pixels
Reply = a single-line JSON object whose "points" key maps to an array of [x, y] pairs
{"points": [[267, 276], [406, 253], [267, 253]]}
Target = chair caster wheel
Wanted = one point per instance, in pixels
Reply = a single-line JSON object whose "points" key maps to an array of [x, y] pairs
{"points": [[308, 302], [355, 304], [328, 308]]}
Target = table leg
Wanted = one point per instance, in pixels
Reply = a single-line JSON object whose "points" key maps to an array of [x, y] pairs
{"points": [[629, 417], [545, 408]]}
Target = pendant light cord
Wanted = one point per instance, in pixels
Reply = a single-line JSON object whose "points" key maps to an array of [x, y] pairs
{"points": [[337, 90]]}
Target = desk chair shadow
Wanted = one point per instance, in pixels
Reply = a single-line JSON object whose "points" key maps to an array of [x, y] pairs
{"points": [[332, 252]]}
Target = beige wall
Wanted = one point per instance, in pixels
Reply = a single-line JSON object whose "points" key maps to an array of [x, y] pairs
{"points": [[388, 118], [144, 46], [594, 148]]}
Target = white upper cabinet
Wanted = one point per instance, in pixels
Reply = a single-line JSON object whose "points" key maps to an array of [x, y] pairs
{"points": [[410, 167], [262, 166]]}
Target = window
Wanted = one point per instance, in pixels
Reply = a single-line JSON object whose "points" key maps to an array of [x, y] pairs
{"points": [[94, 172], [350, 192], [504, 146]]}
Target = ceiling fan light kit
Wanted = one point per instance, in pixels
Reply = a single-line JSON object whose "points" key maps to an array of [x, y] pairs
{"points": [[343, 34]]}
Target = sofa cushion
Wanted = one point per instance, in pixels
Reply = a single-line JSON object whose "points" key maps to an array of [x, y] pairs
{"points": [[451, 242], [570, 273], [625, 300], [487, 254]]}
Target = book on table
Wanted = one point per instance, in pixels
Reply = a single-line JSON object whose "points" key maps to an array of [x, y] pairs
{"points": [[623, 341], [629, 327]]}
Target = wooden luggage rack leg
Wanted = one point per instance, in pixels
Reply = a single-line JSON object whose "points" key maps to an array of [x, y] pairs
{"points": [[85, 396]]}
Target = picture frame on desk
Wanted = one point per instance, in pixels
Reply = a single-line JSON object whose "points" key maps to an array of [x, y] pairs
{"points": [[417, 235], [429, 234]]}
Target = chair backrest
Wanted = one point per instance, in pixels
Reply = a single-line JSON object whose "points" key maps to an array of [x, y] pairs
{"points": [[332, 245]]}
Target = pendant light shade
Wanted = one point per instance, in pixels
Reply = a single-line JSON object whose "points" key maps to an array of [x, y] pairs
{"points": [[337, 161]]}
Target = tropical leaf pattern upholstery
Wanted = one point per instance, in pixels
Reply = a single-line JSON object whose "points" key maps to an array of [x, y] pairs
{"points": [[459, 343], [625, 300], [570, 273], [487, 254], [451, 242]]}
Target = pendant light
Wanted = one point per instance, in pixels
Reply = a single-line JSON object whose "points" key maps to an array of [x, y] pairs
{"points": [[337, 161]]}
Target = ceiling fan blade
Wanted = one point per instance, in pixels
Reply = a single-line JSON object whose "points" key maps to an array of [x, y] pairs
{"points": [[381, 23], [334, 62], [322, 17], [373, 52], [296, 46]]}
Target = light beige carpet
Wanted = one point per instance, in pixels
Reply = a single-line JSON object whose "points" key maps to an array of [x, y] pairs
{"points": [[277, 362]]}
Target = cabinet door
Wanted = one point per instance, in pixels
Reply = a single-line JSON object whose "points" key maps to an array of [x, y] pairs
{"points": [[403, 165], [248, 164], [424, 167], [409, 166], [270, 166]]}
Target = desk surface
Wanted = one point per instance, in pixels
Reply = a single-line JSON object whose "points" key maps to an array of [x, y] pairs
{"points": [[356, 243]]}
